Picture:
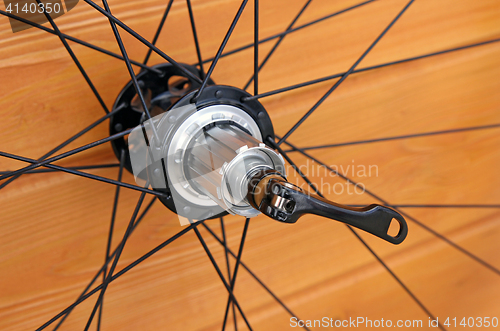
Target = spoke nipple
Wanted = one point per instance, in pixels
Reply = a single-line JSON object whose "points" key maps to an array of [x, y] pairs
{"points": [[118, 127], [218, 94]]}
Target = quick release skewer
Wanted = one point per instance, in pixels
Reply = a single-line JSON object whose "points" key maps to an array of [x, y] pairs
{"points": [[209, 159]]}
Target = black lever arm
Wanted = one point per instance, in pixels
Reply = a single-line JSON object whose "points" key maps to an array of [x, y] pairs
{"points": [[285, 202]]}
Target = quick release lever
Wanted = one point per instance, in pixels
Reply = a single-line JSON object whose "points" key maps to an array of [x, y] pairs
{"points": [[270, 193]]}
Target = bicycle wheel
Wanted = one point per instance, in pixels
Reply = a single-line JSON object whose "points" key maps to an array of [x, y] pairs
{"points": [[419, 135]]}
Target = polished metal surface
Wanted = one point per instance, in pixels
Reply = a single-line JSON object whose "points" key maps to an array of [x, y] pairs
{"points": [[205, 158]]}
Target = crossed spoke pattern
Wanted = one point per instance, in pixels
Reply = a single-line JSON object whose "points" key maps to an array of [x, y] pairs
{"points": [[228, 265], [158, 31], [235, 272], [377, 257], [101, 270], [112, 258], [78, 41], [221, 49], [75, 59], [111, 230], [344, 76], [397, 207]]}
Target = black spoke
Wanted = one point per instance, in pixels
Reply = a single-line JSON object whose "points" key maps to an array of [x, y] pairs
{"points": [[226, 253], [131, 72], [78, 41], [257, 67], [75, 59], [254, 276], [158, 30], [84, 174], [110, 232], [247, 46], [142, 40], [107, 279], [415, 135], [44, 162], [341, 80], [235, 272], [405, 288], [387, 64], [88, 167], [64, 143], [195, 36], [221, 48], [105, 265], [221, 276], [422, 225]]}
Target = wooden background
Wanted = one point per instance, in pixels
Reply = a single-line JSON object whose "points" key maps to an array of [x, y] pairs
{"points": [[53, 227]]}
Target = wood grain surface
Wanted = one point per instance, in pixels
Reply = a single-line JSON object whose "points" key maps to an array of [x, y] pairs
{"points": [[54, 226]]}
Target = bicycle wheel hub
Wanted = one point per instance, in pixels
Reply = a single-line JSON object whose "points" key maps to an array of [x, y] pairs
{"points": [[202, 154], [202, 148]]}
